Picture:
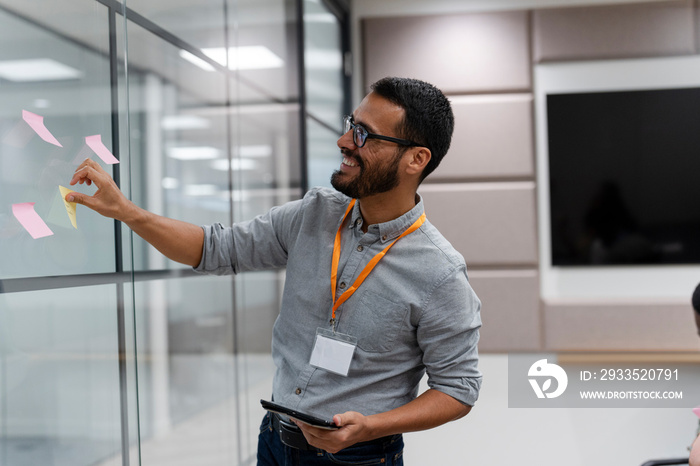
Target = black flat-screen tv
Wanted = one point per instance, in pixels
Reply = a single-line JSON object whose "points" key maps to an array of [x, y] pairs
{"points": [[624, 177]]}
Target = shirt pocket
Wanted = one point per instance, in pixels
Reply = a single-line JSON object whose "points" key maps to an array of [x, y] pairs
{"points": [[375, 322]]}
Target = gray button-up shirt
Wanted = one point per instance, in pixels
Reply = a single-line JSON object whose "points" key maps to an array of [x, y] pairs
{"points": [[416, 311]]}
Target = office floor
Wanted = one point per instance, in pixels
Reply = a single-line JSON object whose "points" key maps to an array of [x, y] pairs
{"points": [[492, 434], [495, 435]]}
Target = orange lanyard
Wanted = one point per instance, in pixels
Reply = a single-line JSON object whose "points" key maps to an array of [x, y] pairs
{"points": [[368, 268]]}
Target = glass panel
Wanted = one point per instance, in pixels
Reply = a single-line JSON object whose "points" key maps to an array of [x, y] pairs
{"points": [[67, 83], [199, 23], [325, 102], [324, 155], [63, 346], [187, 389], [263, 49], [129, 383], [195, 143], [323, 62], [178, 139], [59, 377]]}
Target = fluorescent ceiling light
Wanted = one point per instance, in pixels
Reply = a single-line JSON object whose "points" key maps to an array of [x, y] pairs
{"points": [[193, 153], [253, 57], [327, 18], [323, 59], [184, 122], [42, 103], [195, 60], [255, 151], [201, 189], [38, 69], [170, 183], [236, 164]]}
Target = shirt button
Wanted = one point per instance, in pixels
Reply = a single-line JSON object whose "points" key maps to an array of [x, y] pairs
{"points": [[384, 238], [342, 285], [298, 391], [360, 248]]}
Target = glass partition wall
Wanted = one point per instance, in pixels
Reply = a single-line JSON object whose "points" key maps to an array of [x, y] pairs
{"points": [[110, 354]]}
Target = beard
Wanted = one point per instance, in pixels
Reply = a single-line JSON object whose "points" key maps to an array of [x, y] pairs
{"points": [[370, 181]]}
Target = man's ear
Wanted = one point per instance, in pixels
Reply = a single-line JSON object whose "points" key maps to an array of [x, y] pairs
{"points": [[419, 158]]}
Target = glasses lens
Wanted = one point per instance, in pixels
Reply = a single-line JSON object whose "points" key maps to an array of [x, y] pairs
{"points": [[359, 136], [347, 123]]}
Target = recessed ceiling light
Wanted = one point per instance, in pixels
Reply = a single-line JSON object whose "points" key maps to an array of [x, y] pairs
{"points": [[184, 122], [201, 189], [42, 103], [195, 60], [253, 57], [170, 183], [193, 153], [236, 164], [38, 69], [261, 150]]}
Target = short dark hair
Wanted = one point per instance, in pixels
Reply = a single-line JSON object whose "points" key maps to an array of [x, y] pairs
{"points": [[428, 119]]}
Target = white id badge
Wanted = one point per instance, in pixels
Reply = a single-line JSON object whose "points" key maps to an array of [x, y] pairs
{"points": [[333, 351]]}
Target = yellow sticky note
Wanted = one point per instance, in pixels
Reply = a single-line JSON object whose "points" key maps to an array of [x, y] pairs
{"points": [[70, 206]]}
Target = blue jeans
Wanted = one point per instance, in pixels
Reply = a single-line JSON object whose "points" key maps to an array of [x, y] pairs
{"points": [[272, 452]]}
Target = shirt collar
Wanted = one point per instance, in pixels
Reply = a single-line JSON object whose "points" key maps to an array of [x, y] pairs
{"points": [[388, 231]]}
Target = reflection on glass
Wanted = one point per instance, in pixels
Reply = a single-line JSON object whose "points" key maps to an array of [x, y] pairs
{"points": [[206, 131], [186, 369], [177, 143], [73, 106], [59, 377], [323, 153], [323, 61]]}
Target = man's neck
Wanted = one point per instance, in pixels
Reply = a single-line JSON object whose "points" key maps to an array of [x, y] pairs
{"points": [[381, 208]]}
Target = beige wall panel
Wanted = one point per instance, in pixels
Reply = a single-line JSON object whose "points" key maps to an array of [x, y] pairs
{"points": [[614, 31], [458, 53], [489, 223], [620, 326], [493, 138], [510, 309]]}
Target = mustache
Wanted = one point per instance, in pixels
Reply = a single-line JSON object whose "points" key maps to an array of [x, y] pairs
{"points": [[353, 155]]}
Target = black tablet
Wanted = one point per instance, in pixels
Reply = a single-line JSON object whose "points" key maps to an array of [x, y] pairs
{"points": [[305, 418]]}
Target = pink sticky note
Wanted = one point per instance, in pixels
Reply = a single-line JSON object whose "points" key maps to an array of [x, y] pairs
{"points": [[30, 220], [37, 124], [697, 411], [95, 143]]}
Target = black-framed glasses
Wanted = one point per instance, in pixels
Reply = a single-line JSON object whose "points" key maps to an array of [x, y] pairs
{"points": [[360, 134]]}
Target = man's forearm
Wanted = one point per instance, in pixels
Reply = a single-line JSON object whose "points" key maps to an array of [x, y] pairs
{"points": [[177, 240], [180, 241], [431, 409]]}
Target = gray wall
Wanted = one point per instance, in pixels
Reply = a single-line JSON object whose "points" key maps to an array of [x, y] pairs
{"points": [[484, 197]]}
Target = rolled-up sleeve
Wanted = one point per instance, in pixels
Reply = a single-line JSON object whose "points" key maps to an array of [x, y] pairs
{"points": [[448, 334], [257, 244]]}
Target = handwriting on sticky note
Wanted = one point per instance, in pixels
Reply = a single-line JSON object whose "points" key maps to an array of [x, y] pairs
{"points": [[30, 220], [37, 124], [95, 143], [70, 206]]}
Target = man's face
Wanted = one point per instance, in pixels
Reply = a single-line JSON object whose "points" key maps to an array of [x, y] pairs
{"points": [[373, 168]]}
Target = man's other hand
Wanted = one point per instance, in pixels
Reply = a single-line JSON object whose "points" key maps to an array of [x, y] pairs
{"points": [[353, 429]]}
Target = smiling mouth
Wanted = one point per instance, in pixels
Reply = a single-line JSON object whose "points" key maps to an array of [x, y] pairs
{"points": [[349, 162]]}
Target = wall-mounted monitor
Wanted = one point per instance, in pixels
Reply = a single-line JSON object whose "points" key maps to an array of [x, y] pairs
{"points": [[624, 177], [618, 150]]}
